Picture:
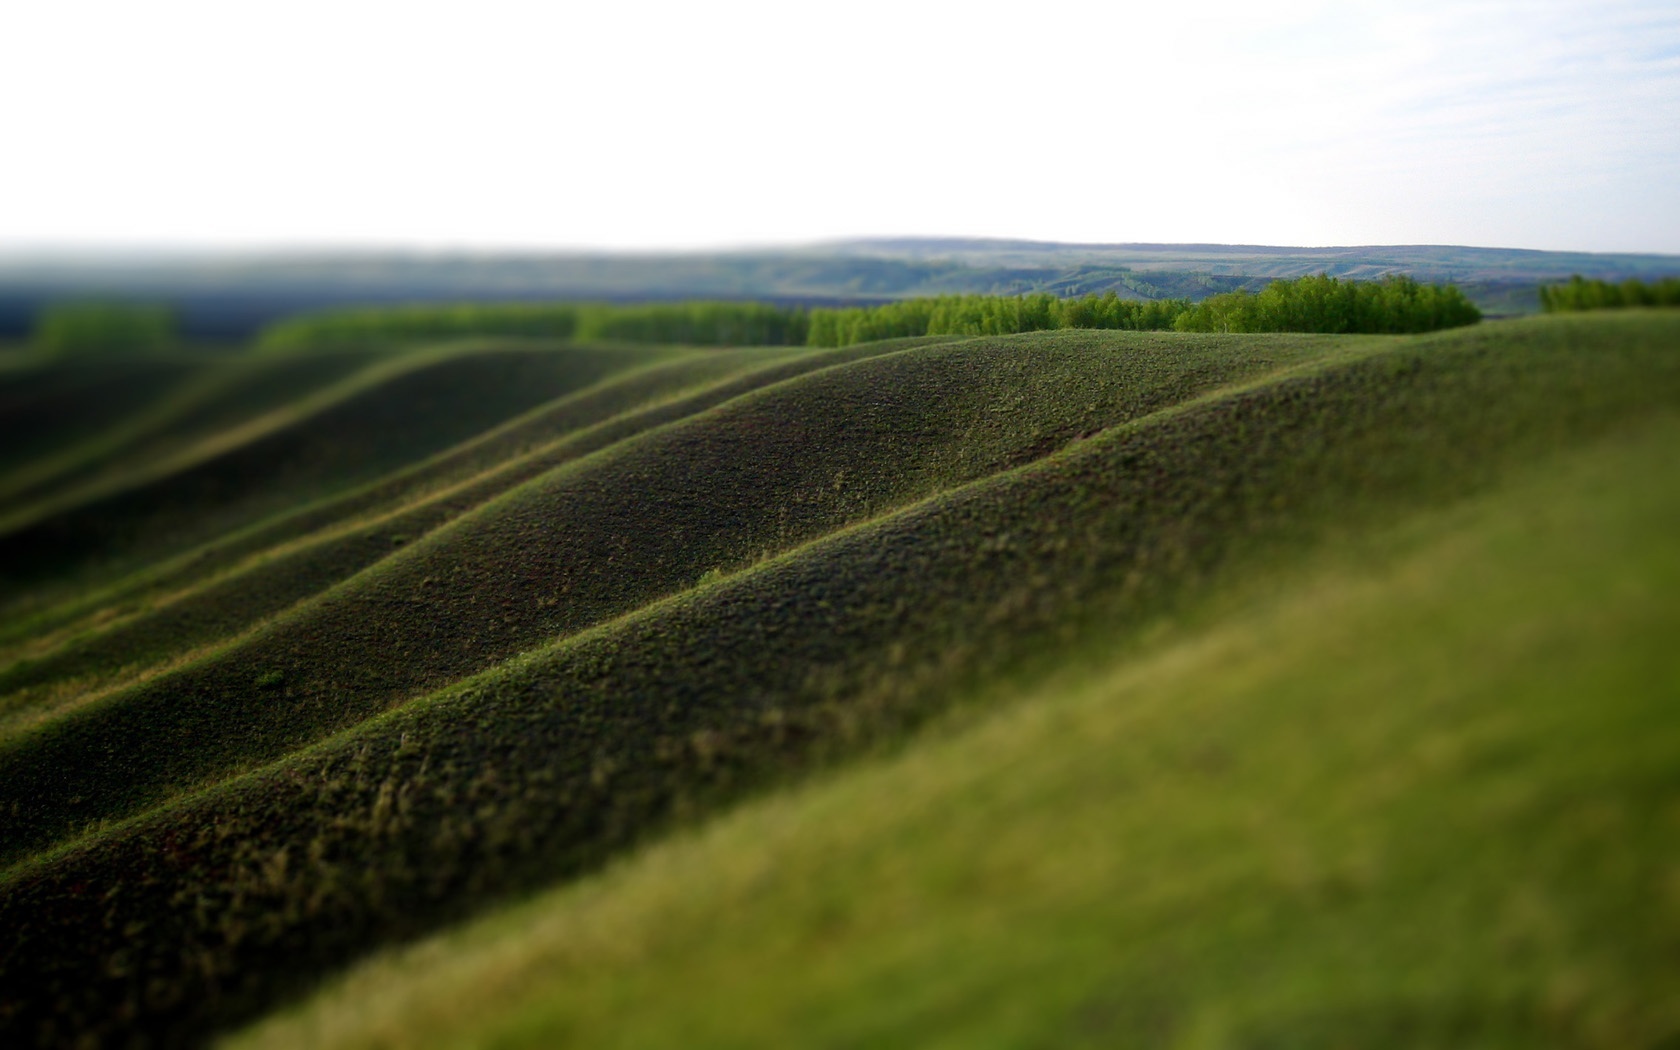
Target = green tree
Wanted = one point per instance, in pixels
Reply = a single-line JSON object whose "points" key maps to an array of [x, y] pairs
{"points": [[102, 328]]}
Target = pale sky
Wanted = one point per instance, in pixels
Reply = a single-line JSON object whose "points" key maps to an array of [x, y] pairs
{"points": [[499, 124]]}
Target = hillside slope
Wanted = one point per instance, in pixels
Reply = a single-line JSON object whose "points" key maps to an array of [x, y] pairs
{"points": [[368, 424], [636, 379], [1416, 795], [221, 395], [595, 539], [238, 580], [693, 609]]}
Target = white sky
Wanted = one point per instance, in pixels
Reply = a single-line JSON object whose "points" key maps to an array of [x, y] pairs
{"points": [[1535, 124]]}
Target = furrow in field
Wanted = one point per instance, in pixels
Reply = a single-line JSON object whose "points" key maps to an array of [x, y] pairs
{"points": [[230, 602], [639, 377], [49, 412], [336, 440], [598, 537], [222, 396]]}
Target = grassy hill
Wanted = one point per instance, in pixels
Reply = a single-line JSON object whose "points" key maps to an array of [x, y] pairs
{"points": [[1062, 687], [380, 418], [1335, 809]]}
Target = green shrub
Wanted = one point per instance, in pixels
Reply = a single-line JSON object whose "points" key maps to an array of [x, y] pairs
{"points": [[1395, 305], [94, 328], [693, 323], [409, 323], [1582, 294], [989, 315]]}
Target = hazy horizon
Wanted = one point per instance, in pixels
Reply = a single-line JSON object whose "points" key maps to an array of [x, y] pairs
{"points": [[73, 252]]}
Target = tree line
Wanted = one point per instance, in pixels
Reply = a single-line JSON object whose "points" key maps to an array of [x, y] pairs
{"points": [[692, 323], [97, 327], [988, 315], [1581, 294], [1306, 304], [1394, 305]]}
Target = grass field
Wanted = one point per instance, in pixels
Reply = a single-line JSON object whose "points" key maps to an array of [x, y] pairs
{"points": [[1336, 809], [1063, 688]]}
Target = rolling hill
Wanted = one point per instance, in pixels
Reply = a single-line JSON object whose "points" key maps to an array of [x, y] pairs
{"points": [[1070, 686]]}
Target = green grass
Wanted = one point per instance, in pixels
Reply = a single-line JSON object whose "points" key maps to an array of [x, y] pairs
{"points": [[627, 611], [354, 532], [594, 539], [222, 395], [48, 407], [1420, 795], [633, 380], [367, 425]]}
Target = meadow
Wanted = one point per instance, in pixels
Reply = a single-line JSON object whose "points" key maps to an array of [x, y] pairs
{"points": [[411, 681]]}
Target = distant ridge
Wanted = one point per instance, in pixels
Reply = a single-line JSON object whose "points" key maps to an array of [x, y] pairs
{"points": [[228, 295], [1542, 264], [1013, 244]]}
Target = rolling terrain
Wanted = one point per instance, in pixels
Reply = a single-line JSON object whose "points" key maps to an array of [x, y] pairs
{"points": [[1011, 690]]}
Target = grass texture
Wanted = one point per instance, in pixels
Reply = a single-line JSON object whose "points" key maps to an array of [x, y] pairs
{"points": [[598, 611], [1417, 794]]}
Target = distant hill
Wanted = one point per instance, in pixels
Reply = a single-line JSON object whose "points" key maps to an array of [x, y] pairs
{"points": [[1434, 262], [229, 296]]}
